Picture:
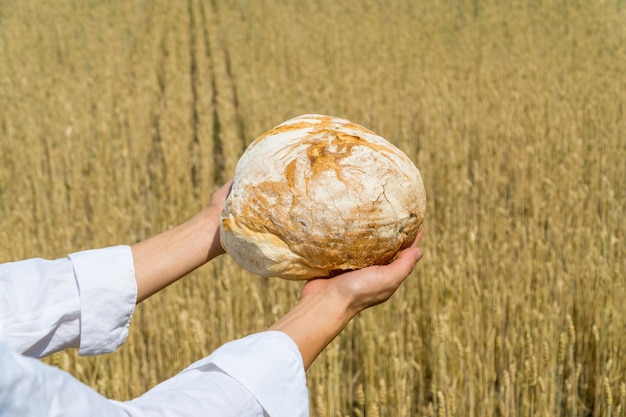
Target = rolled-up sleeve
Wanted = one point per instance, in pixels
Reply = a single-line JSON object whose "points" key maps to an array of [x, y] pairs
{"points": [[83, 301], [108, 292], [262, 374], [270, 366]]}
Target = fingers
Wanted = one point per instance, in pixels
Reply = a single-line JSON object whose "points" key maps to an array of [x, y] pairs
{"points": [[228, 184], [219, 197], [407, 258], [367, 287], [378, 283], [418, 238], [402, 266], [225, 189]]}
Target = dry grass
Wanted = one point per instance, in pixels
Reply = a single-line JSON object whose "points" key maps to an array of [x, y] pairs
{"points": [[118, 119]]}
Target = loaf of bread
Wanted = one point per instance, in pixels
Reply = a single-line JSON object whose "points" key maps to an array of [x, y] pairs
{"points": [[318, 195]]}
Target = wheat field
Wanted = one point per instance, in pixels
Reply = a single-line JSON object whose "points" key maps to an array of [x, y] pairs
{"points": [[118, 119]]}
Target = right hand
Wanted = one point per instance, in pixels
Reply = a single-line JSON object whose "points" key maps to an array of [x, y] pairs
{"points": [[370, 286]]}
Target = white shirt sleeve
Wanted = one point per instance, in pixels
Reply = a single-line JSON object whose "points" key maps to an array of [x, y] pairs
{"points": [[29, 388], [85, 301], [262, 374]]}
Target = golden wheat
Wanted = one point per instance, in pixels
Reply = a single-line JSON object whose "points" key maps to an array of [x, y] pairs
{"points": [[119, 119]]}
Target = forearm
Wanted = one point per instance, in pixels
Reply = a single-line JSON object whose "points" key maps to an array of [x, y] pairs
{"points": [[166, 257], [314, 322]]}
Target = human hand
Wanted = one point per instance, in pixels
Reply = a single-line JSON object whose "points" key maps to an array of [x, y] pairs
{"points": [[168, 256], [219, 197], [327, 304], [212, 213], [370, 286]]}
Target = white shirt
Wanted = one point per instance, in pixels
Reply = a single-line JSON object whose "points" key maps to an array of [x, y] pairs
{"points": [[87, 301]]}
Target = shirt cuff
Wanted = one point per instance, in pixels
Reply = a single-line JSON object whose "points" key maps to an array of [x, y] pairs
{"points": [[269, 365], [108, 292]]}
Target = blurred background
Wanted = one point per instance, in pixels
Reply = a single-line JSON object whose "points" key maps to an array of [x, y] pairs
{"points": [[118, 119]]}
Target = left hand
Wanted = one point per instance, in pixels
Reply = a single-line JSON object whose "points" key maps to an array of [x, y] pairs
{"points": [[219, 197], [214, 211]]}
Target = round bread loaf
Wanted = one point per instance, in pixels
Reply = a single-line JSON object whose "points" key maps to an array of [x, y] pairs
{"points": [[318, 195]]}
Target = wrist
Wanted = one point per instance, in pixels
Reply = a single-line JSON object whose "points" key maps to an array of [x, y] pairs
{"points": [[330, 302], [345, 298], [207, 228], [320, 315]]}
